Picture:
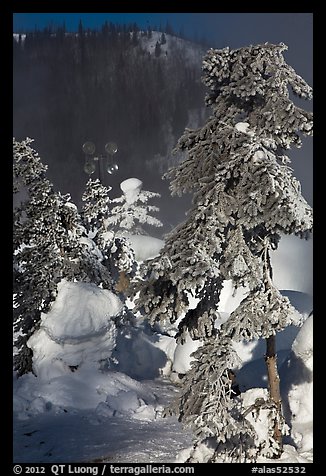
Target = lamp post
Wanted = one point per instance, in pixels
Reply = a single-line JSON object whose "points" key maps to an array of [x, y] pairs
{"points": [[89, 167]]}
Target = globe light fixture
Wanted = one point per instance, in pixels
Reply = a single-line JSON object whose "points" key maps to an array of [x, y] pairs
{"points": [[89, 148], [111, 148], [111, 167], [89, 167]]}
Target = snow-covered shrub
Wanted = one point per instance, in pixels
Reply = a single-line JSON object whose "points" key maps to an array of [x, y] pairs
{"points": [[132, 210], [78, 331], [116, 252]]}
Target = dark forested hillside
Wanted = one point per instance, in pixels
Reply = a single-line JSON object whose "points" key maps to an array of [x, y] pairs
{"points": [[138, 89]]}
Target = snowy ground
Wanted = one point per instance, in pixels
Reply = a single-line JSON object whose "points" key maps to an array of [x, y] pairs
{"points": [[85, 436], [79, 410]]}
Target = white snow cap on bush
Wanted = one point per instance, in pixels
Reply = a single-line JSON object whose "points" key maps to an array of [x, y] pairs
{"points": [[243, 127], [131, 188]]}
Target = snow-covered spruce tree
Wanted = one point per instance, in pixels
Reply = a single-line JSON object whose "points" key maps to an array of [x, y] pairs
{"points": [[95, 208], [132, 209], [116, 253], [46, 247], [244, 198]]}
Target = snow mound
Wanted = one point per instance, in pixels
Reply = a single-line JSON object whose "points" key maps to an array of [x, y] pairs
{"points": [[80, 311], [145, 247], [292, 264], [142, 354], [182, 355], [78, 330], [124, 402], [104, 394], [297, 387], [131, 188], [128, 403], [303, 344], [127, 397]]}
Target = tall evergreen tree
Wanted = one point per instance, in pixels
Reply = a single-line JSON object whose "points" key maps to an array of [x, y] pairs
{"points": [[245, 198], [157, 49], [46, 247], [163, 38], [95, 208]]}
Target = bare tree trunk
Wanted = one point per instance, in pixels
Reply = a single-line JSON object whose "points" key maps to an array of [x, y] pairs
{"points": [[123, 283], [274, 388]]}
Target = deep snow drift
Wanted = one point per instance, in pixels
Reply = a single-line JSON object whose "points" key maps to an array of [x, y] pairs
{"points": [[100, 389]]}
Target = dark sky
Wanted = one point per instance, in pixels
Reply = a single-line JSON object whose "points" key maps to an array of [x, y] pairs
{"points": [[219, 30]]}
